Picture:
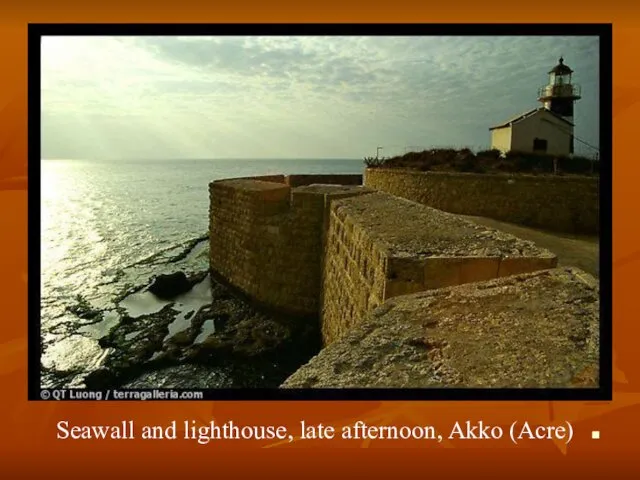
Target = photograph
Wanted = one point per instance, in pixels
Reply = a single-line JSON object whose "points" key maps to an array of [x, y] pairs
{"points": [[319, 211]]}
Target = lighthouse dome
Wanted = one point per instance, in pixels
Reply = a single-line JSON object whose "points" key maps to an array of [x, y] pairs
{"points": [[561, 68]]}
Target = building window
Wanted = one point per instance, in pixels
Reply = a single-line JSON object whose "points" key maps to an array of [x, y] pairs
{"points": [[539, 145], [571, 145]]}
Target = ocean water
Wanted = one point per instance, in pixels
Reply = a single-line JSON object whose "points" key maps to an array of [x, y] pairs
{"points": [[109, 226]]}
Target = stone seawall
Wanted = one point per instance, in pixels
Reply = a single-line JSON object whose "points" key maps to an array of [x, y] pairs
{"points": [[266, 237], [303, 180], [406, 295], [558, 203], [338, 252], [354, 275], [380, 246]]}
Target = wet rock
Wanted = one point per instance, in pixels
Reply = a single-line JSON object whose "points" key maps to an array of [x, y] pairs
{"points": [[129, 350], [169, 286], [249, 337], [183, 338], [100, 379], [183, 376], [84, 310], [264, 347]]}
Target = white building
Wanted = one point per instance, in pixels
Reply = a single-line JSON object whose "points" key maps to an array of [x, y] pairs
{"points": [[548, 129]]}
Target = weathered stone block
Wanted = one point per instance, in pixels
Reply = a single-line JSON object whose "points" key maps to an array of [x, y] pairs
{"points": [[449, 271], [514, 265], [536, 330]]}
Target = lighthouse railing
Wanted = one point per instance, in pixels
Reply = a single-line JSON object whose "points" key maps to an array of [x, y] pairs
{"points": [[567, 90]]}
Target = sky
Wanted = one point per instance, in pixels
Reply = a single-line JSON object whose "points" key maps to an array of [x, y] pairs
{"points": [[297, 97]]}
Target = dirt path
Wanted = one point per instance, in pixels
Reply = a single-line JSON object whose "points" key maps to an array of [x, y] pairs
{"points": [[572, 250]]}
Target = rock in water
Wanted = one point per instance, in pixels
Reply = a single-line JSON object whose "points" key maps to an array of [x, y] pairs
{"points": [[100, 379], [170, 286]]}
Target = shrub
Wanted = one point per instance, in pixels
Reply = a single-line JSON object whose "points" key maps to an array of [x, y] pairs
{"points": [[493, 153], [486, 161]]}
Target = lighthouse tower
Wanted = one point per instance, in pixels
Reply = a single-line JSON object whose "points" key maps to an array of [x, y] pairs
{"points": [[560, 95]]}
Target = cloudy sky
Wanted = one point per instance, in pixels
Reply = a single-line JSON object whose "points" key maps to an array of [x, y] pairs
{"points": [[296, 97]]}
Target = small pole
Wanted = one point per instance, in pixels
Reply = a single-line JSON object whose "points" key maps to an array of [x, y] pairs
{"points": [[378, 152]]}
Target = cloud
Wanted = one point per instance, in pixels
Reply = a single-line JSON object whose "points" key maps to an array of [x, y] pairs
{"points": [[252, 97]]}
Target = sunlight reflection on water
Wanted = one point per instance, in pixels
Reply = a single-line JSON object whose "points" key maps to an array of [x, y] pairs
{"points": [[70, 352], [100, 218]]}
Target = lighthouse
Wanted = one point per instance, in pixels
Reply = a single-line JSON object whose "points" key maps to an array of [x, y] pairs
{"points": [[547, 129], [560, 95]]}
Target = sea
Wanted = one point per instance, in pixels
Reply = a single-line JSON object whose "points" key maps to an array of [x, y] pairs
{"points": [[109, 226]]}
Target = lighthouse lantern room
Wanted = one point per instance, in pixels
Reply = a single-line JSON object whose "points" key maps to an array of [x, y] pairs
{"points": [[560, 95]]}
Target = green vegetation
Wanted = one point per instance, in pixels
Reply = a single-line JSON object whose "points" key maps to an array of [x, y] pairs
{"points": [[488, 161]]}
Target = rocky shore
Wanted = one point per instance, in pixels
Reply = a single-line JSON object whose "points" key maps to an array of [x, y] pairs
{"points": [[203, 335]]}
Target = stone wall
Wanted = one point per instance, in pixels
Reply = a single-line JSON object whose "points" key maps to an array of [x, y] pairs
{"points": [[302, 180], [354, 279], [266, 238], [338, 252], [407, 295], [559, 203], [309, 179], [380, 246], [536, 330]]}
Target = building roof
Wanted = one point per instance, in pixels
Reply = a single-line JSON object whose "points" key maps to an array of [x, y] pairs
{"points": [[528, 114], [561, 68]]}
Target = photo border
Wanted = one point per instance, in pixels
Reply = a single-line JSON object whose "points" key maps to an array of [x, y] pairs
{"points": [[603, 31]]}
